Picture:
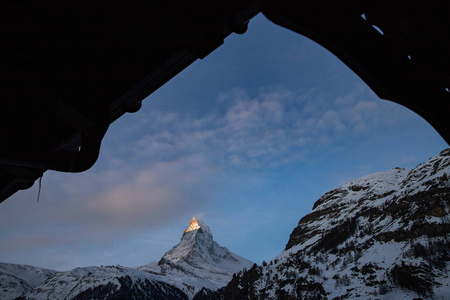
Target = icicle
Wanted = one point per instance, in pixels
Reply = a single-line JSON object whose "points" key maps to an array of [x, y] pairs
{"points": [[40, 185]]}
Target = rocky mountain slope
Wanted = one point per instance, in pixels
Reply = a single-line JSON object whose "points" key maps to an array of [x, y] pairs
{"points": [[383, 236], [196, 262]]}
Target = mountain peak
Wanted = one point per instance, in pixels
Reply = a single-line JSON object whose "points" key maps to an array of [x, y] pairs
{"points": [[195, 238], [193, 225], [199, 261]]}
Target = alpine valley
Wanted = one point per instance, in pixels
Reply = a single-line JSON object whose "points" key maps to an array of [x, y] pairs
{"points": [[382, 236]]}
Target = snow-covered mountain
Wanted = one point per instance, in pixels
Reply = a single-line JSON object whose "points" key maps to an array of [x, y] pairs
{"points": [[383, 236], [111, 282], [16, 280], [197, 262]]}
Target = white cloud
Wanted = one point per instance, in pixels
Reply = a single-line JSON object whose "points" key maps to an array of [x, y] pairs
{"points": [[274, 127]]}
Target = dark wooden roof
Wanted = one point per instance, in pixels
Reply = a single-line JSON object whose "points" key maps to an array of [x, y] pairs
{"points": [[68, 71]]}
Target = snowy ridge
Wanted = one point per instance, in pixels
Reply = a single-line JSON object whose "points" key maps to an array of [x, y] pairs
{"points": [[15, 280], [382, 236], [99, 282], [428, 174]]}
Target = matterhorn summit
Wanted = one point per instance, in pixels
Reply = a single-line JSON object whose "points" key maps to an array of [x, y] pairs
{"points": [[197, 261], [193, 225], [197, 245]]}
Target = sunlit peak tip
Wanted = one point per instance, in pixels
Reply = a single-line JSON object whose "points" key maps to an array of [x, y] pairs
{"points": [[193, 225]]}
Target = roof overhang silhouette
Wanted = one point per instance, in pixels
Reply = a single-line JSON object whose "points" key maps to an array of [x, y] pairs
{"points": [[68, 70]]}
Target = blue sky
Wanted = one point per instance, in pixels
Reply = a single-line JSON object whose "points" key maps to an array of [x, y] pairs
{"points": [[246, 139]]}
